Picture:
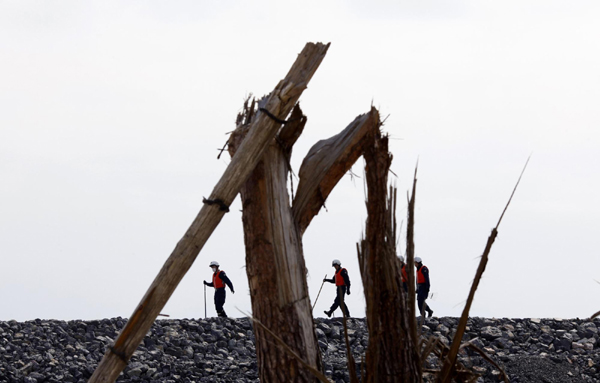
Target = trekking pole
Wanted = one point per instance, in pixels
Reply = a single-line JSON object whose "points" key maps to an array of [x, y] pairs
{"points": [[204, 301], [319, 292], [342, 299]]}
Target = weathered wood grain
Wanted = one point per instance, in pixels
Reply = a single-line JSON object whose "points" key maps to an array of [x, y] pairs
{"points": [[275, 262], [392, 353], [273, 236], [326, 163], [261, 133]]}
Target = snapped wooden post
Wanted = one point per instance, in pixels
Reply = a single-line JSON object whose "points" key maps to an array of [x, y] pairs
{"points": [[273, 237], [264, 128]]}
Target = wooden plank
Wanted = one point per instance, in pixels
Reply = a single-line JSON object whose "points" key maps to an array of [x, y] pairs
{"points": [[279, 103]]}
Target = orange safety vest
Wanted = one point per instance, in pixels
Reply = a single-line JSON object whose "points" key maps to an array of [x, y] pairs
{"points": [[420, 276], [339, 280], [404, 274], [218, 282]]}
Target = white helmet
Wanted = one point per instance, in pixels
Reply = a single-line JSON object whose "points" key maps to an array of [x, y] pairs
{"points": [[401, 258], [214, 263], [336, 262], [418, 260]]}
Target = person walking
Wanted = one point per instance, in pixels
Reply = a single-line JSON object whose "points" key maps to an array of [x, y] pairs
{"points": [[342, 284], [219, 280], [403, 273], [423, 286]]}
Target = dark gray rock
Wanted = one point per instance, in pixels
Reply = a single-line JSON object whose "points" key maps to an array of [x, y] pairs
{"points": [[491, 333], [324, 327], [563, 344], [335, 332], [320, 333], [223, 350]]}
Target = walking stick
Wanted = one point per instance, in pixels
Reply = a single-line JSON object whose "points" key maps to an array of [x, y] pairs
{"points": [[204, 301], [319, 292]]}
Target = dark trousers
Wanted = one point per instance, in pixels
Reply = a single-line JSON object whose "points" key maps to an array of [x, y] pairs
{"points": [[220, 301], [341, 291], [421, 297]]}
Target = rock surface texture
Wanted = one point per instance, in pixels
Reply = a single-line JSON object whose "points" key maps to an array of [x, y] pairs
{"points": [[222, 350]]}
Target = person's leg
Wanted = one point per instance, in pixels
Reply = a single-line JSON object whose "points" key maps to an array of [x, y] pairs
{"points": [[428, 309], [342, 297], [219, 302], [335, 305], [425, 306], [421, 304]]}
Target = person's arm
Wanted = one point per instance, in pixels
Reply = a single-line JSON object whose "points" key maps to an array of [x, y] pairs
{"points": [[225, 279], [346, 280], [425, 272], [332, 280], [209, 284]]}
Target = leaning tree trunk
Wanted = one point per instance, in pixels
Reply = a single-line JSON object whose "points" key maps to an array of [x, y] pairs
{"points": [[392, 354], [273, 236], [263, 129]]}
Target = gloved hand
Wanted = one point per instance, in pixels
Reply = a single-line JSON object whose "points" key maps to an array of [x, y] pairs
{"points": [[205, 284], [233, 291], [348, 291], [324, 279]]}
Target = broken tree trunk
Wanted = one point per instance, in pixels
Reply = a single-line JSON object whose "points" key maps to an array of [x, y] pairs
{"points": [[326, 163], [273, 237], [410, 259], [275, 266], [392, 353], [260, 134]]}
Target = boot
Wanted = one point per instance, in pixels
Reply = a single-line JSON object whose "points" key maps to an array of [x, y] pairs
{"points": [[429, 312], [222, 314], [328, 313]]}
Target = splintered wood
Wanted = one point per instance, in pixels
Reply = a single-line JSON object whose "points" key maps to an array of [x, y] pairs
{"points": [[280, 102]]}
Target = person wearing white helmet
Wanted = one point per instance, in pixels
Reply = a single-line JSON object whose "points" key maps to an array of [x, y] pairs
{"points": [[423, 286], [342, 283], [403, 273], [219, 280]]}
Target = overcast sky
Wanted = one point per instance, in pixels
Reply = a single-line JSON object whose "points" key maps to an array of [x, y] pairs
{"points": [[112, 114]]}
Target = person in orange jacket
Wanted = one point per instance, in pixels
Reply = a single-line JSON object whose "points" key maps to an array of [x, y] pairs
{"points": [[219, 280], [342, 284], [403, 273], [423, 286]]}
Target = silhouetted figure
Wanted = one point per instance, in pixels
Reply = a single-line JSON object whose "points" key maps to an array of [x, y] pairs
{"points": [[219, 280], [422, 287], [342, 284]]}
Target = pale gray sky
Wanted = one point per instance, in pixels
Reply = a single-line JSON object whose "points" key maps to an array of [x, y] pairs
{"points": [[112, 113]]}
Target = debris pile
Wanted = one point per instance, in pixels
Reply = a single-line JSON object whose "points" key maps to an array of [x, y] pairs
{"points": [[223, 350]]}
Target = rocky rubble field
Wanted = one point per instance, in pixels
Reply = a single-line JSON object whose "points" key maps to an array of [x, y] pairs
{"points": [[223, 350]]}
